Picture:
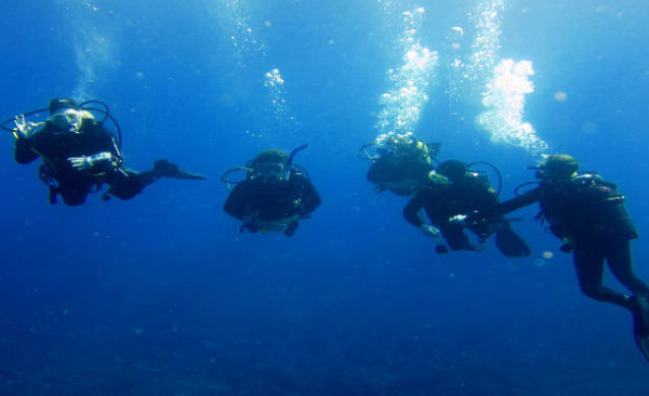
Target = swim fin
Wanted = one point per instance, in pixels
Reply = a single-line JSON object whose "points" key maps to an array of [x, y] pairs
{"points": [[510, 243], [171, 170], [640, 310]]}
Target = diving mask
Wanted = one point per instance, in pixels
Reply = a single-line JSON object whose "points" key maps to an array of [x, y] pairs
{"points": [[67, 119], [271, 171]]}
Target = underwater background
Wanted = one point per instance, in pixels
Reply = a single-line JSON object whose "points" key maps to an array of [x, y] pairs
{"points": [[161, 295]]}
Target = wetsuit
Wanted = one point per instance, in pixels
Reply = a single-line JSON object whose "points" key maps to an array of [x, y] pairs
{"points": [[589, 214], [470, 194], [55, 146], [256, 202]]}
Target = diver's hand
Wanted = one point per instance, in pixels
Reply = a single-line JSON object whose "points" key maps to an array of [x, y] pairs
{"points": [[80, 163], [23, 129], [91, 161], [478, 217], [430, 231], [459, 219]]}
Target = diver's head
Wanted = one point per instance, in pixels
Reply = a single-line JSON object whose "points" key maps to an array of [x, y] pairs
{"points": [[454, 170], [66, 114], [270, 165], [557, 167], [62, 103], [400, 147]]}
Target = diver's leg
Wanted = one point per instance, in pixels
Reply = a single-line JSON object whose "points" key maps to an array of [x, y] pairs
{"points": [[455, 237], [74, 194], [164, 168], [620, 262], [589, 264], [127, 184]]}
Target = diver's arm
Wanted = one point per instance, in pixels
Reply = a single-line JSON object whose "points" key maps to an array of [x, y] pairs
{"points": [[521, 201], [106, 160], [23, 151], [411, 214], [25, 134], [101, 162], [411, 211], [490, 214]]}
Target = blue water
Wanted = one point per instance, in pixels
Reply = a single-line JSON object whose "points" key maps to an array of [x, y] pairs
{"points": [[161, 295]]}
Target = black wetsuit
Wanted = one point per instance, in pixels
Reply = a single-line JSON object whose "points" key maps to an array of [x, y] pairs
{"points": [[56, 146], [590, 215], [472, 193], [399, 178], [253, 200]]}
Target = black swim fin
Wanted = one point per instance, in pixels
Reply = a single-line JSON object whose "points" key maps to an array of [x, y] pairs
{"points": [[171, 170], [510, 243], [640, 310]]}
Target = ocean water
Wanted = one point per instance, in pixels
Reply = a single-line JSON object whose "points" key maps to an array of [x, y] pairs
{"points": [[161, 295]]}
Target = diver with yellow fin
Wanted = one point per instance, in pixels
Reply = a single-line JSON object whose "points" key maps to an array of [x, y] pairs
{"points": [[589, 215], [79, 154], [275, 195]]}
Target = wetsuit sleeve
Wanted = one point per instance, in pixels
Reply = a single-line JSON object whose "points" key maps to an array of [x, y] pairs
{"points": [[521, 201], [23, 152], [411, 211]]}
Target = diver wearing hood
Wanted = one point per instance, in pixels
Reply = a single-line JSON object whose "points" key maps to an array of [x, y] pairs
{"points": [[274, 196], [401, 164], [588, 214], [80, 154], [455, 191]]}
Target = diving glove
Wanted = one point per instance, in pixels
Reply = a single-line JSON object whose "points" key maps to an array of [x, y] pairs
{"points": [[23, 128], [92, 161]]}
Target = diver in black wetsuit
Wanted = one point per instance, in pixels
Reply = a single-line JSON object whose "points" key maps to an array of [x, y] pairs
{"points": [[275, 195], [453, 192], [79, 155], [402, 163], [588, 214]]}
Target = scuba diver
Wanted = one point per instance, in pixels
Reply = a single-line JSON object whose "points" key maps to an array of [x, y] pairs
{"points": [[454, 192], [79, 153], [275, 195], [401, 164], [588, 214]]}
